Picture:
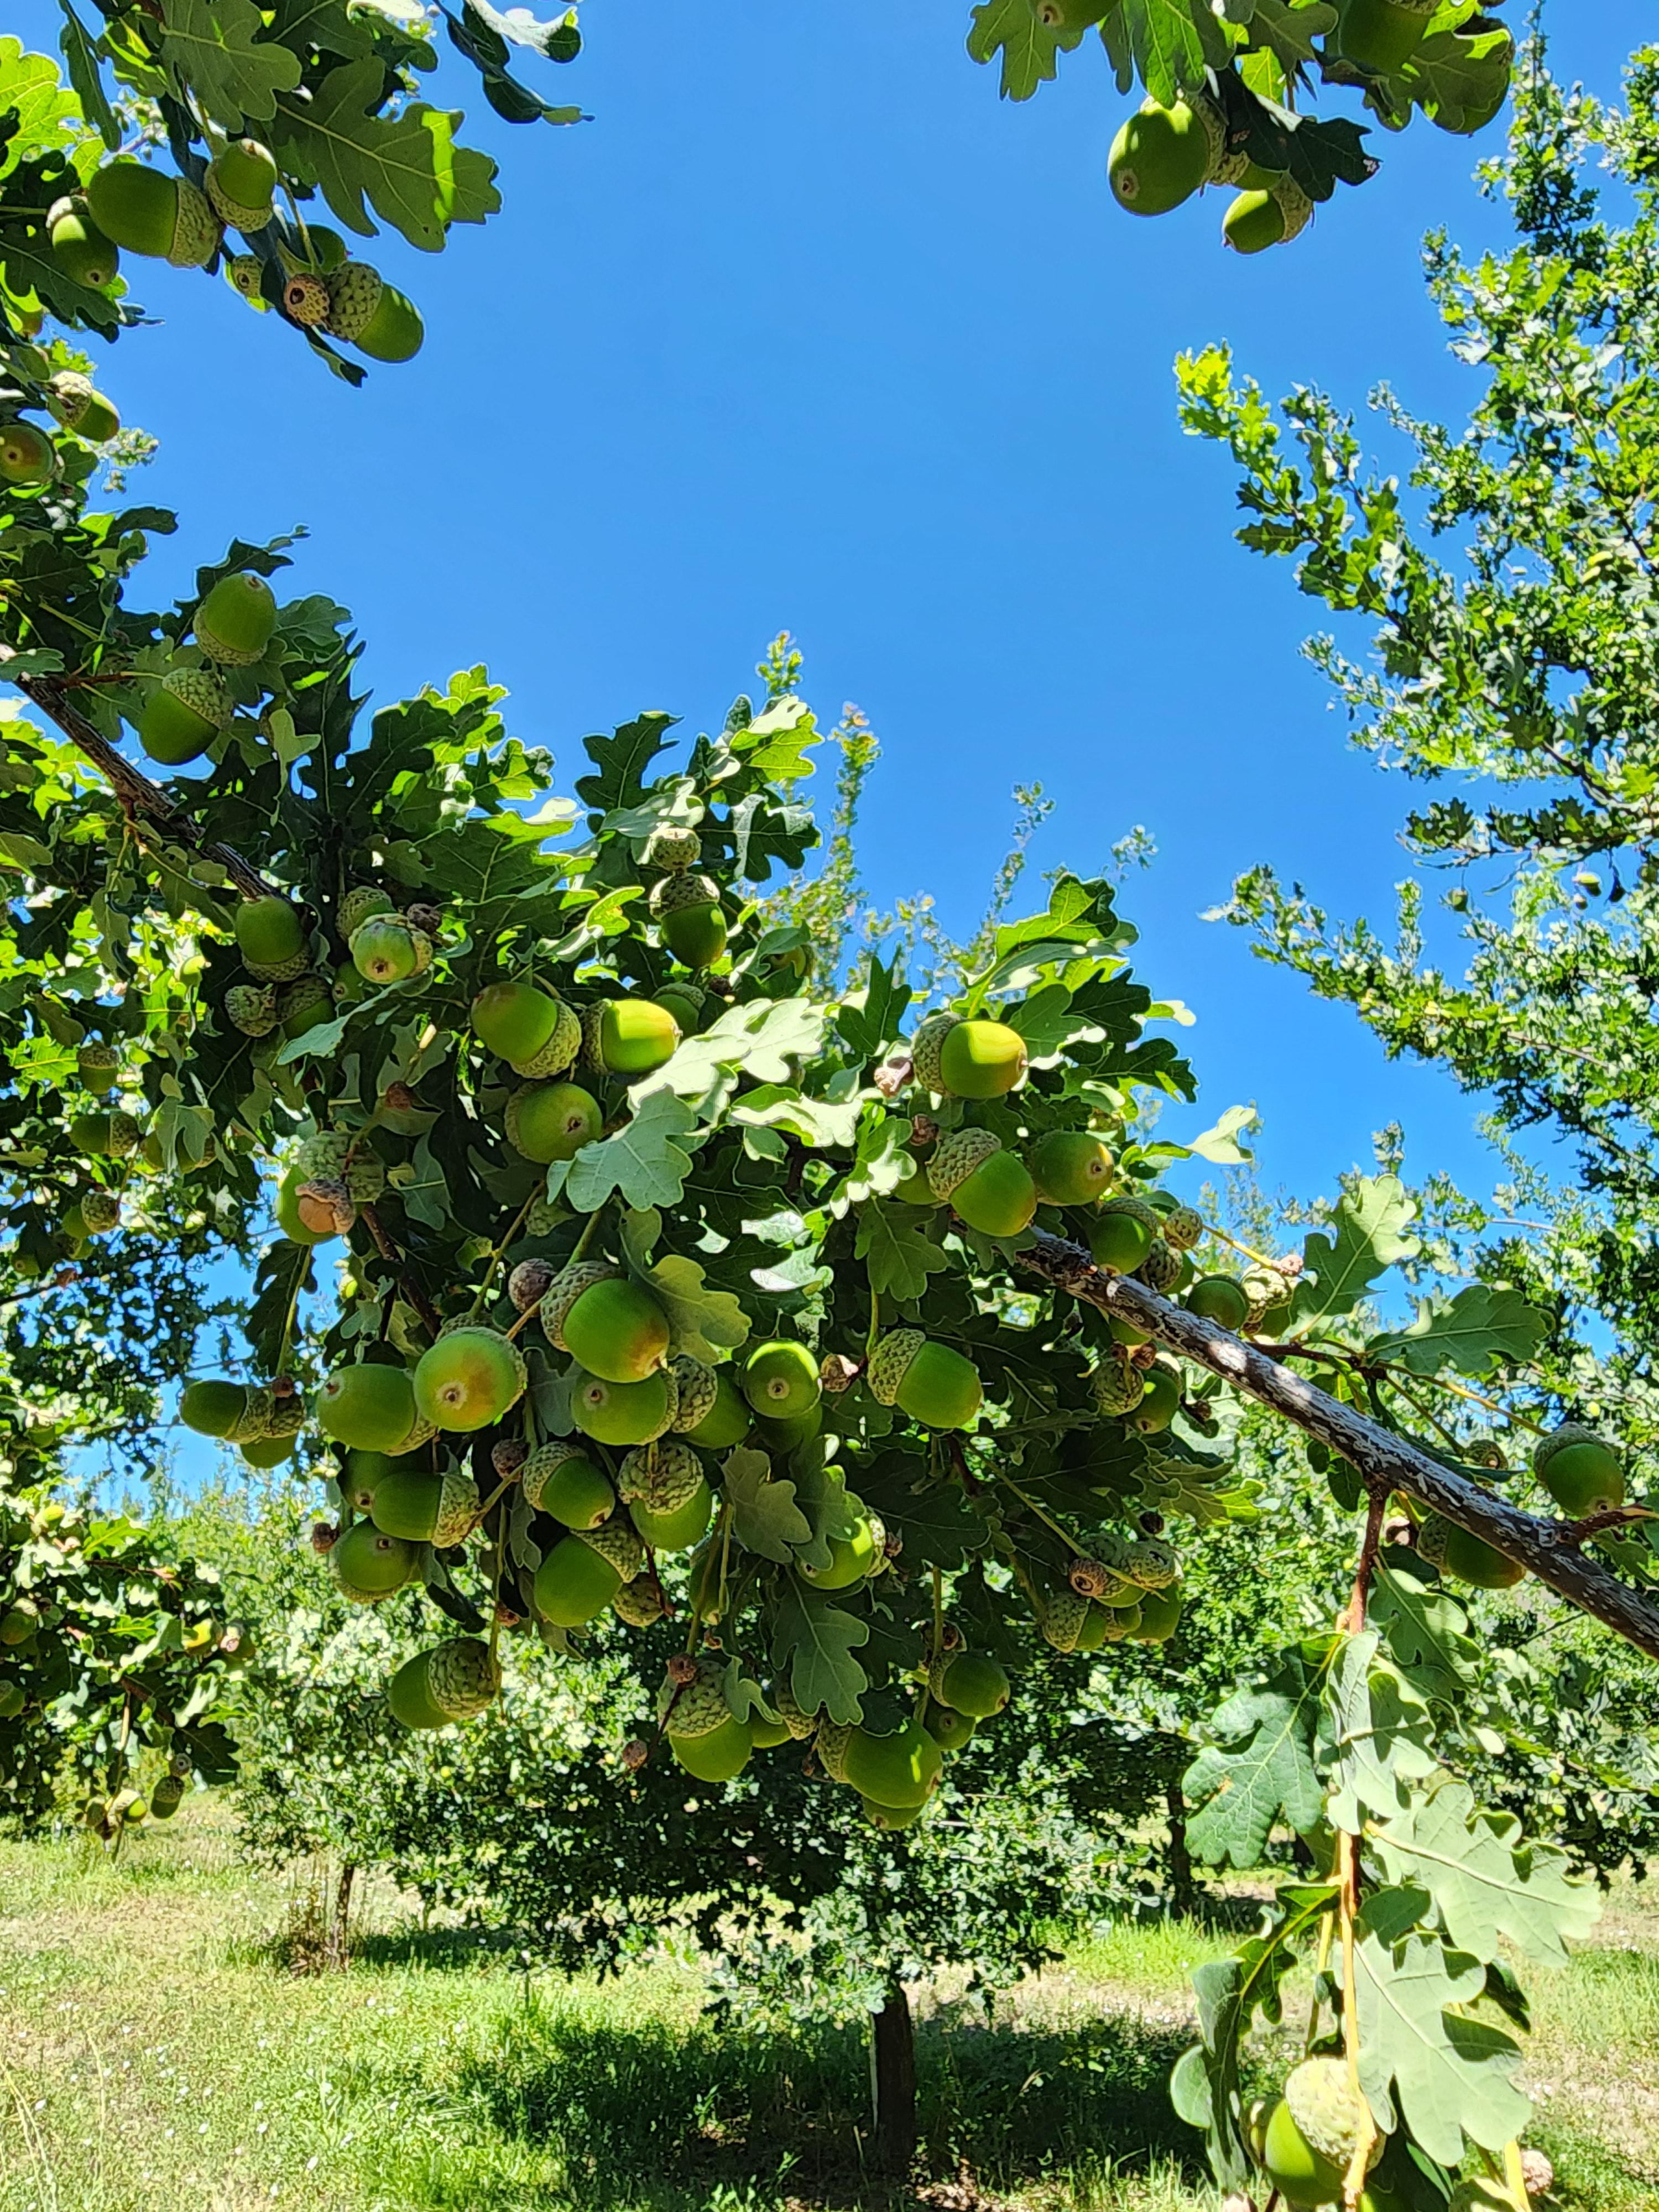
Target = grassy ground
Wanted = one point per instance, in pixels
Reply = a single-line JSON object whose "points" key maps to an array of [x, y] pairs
{"points": [[154, 2056]]}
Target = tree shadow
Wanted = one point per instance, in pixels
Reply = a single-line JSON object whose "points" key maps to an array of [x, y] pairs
{"points": [[671, 2119]]}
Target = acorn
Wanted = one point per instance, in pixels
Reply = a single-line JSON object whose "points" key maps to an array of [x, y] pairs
{"points": [[973, 1683], [1221, 1299], [371, 314], [302, 1003], [386, 949], [629, 1037], [1121, 1236], [1071, 1167], [270, 933], [27, 455], [469, 1377], [236, 620], [1257, 219], [1162, 155], [780, 1380], [97, 1065], [372, 1407], [529, 1283], [105, 1136], [1465, 1558], [698, 1389], [533, 1030], [954, 1058], [73, 403], [1580, 1470], [560, 1478], [241, 184], [727, 1420], [547, 1121], [1161, 1269], [986, 1186], [100, 1210], [623, 1413], [612, 1326], [425, 1509], [673, 849], [455, 1681], [78, 246], [1117, 1384], [246, 272], [584, 1571], [182, 716], [1383, 35], [688, 913], [368, 1567], [929, 1381], [147, 211]]}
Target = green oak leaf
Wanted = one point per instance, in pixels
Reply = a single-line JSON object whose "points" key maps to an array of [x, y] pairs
{"points": [[898, 1258], [1173, 44], [765, 1518], [214, 48], [1376, 1732], [1220, 1144], [643, 1161], [932, 1519], [1485, 1882], [283, 1276], [32, 92], [880, 1159], [763, 1038], [869, 1018], [774, 745], [1452, 75], [744, 1698], [820, 1122], [1451, 2074], [407, 167], [1287, 29], [1368, 1235], [1261, 1767], [1028, 50], [814, 1640], [702, 1322], [1426, 1629], [1480, 1330]]}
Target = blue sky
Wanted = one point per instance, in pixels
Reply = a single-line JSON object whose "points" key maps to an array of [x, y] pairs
{"points": [[806, 329]]}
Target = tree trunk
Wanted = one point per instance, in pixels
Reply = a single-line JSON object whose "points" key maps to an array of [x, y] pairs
{"points": [[338, 1925], [893, 2082], [1182, 1888]]}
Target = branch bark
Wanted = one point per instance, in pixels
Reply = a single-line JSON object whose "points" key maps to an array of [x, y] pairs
{"points": [[134, 789], [1546, 1548]]}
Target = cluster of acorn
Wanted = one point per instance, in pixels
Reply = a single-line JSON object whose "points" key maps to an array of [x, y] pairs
{"points": [[28, 454], [1583, 1473], [1162, 155], [191, 705], [128, 205]]}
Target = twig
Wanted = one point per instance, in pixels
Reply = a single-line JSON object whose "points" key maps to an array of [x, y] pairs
{"points": [[1378, 1454], [394, 1258]]}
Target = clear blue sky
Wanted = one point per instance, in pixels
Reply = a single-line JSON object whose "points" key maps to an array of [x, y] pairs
{"points": [[806, 329]]}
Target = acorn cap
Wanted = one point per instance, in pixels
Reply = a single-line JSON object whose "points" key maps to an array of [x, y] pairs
{"points": [[279, 971], [662, 1477], [1329, 2110], [1064, 1613], [698, 1387], [891, 1360], [926, 1047], [832, 1741], [1161, 1268], [201, 691], [354, 294], [359, 904], [561, 1046], [638, 1602], [461, 1677], [304, 299], [673, 849], [799, 1724], [1182, 1227], [69, 394], [324, 1153], [100, 1210], [1297, 207], [697, 1707], [957, 1156], [234, 214], [458, 1509], [251, 1009], [592, 1020], [543, 1464], [197, 230], [1118, 1383], [675, 892], [617, 1541], [254, 1420], [566, 1288]]}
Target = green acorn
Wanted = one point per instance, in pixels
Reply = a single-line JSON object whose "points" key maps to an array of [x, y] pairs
{"points": [[560, 1478], [1221, 1299], [354, 294], [973, 1683], [1161, 1269], [359, 905], [610, 1325], [688, 913], [929, 1381], [629, 1037], [547, 1121], [985, 1185], [584, 1571], [962, 1059], [1257, 219], [213, 1406], [27, 455], [1182, 1227], [727, 1418], [302, 1003], [371, 314], [371, 1407], [517, 1023], [662, 1476], [97, 1065], [1580, 1470], [899, 1770], [623, 1413], [385, 950], [235, 621], [1121, 1235], [853, 1559], [270, 934], [167, 1797], [950, 1730], [780, 1380], [78, 407], [147, 211], [100, 1210], [1071, 1167], [246, 272], [241, 184], [1162, 155], [426, 1509], [1158, 1403], [470, 1378], [1063, 1617], [369, 1567], [79, 247], [1466, 1557], [1383, 35], [183, 715], [105, 1136], [1118, 1385], [455, 1681]]}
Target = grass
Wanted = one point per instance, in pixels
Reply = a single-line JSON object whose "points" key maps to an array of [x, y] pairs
{"points": [[154, 2055]]}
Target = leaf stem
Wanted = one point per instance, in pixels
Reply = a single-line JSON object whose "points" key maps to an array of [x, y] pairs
{"points": [[499, 1253], [1047, 1519]]}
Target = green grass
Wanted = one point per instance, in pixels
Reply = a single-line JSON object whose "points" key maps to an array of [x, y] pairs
{"points": [[153, 2054]]}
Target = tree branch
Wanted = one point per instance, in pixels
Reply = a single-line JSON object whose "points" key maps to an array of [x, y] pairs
{"points": [[134, 790], [1546, 1548]]}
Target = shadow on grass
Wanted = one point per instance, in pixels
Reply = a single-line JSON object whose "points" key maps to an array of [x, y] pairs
{"points": [[651, 2115]]}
